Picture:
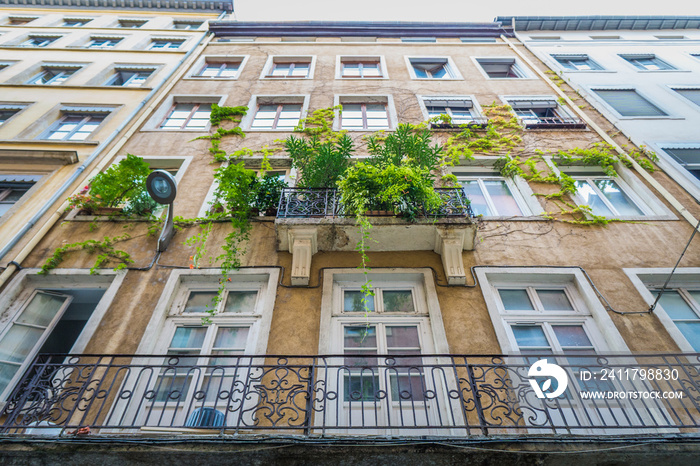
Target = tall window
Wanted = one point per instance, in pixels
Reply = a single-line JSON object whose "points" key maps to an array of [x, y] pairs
{"points": [[7, 111], [431, 68], [289, 68], [364, 116], [216, 69], [10, 193], [53, 75], [688, 158], [492, 196], [103, 42], [682, 305], [39, 41], [277, 116], [577, 62], [360, 68], [648, 62], [166, 44], [129, 77], [75, 126], [628, 103], [501, 67], [188, 116]]}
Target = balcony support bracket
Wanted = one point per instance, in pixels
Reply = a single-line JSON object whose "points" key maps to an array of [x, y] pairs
{"points": [[449, 243], [303, 244]]}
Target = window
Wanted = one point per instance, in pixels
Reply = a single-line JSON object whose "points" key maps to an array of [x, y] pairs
{"points": [[187, 24], [491, 195], [688, 158], [543, 113], [605, 196], [75, 22], [76, 125], [103, 42], [682, 305], [605, 37], [54, 75], [671, 37], [166, 44], [175, 165], [219, 69], [648, 62], [461, 110], [39, 41], [12, 191], [691, 94], [5, 64], [281, 116], [418, 39], [188, 116], [577, 62], [501, 67], [20, 20], [129, 77], [289, 68], [7, 111], [360, 68], [364, 116], [131, 23], [628, 103], [431, 68]]}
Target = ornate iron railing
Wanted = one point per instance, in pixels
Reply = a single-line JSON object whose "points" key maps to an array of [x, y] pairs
{"points": [[325, 202], [554, 123], [399, 395]]}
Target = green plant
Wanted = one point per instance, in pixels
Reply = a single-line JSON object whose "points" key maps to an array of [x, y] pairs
{"points": [[408, 145], [320, 164], [268, 192], [104, 247], [235, 193], [124, 184]]}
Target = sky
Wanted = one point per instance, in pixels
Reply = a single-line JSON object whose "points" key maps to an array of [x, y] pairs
{"points": [[449, 10]]}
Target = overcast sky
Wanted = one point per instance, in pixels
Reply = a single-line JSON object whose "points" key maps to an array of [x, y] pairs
{"points": [[449, 10]]}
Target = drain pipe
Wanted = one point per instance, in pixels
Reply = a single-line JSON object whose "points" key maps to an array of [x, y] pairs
{"points": [[591, 124], [15, 263]]}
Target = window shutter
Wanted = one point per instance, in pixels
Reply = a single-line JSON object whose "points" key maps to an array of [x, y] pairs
{"points": [[691, 94], [627, 102]]}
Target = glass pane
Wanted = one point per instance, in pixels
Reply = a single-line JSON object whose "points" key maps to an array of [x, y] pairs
{"points": [[407, 387], [571, 335], [398, 301], [402, 337], [231, 338], [502, 198], [361, 387], [200, 301], [516, 300], [352, 111], [439, 73], [18, 342], [478, 201], [188, 337], [351, 69], [352, 302], [360, 337], [42, 309], [675, 306], [300, 70], [420, 73], [691, 331], [530, 336], [371, 70], [7, 371], [591, 198], [241, 301], [554, 300], [695, 294], [622, 203]]}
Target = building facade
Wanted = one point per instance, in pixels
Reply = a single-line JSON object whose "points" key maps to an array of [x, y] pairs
{"points": [[550, 241]]}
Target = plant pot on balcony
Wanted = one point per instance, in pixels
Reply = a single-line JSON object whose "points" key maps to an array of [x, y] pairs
{"points": [[271, 212]]}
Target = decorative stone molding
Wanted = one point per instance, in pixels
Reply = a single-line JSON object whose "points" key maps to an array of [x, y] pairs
{"points": [[450, 243], [303, 244]]}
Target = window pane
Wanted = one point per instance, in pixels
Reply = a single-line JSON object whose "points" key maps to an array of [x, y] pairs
{"points": [[627, 102], [613, 193], [351, 69], [200, 301], [571, 335], [398, 301], [188, 337], [231, 338], [300, 70], [352, 302], [360, 337], [241, 301], [361, 387], [516, 300], [591, 198], [42, 309], [371, 70], [691, 331], [696, 296], [502, 198], [675, 306], [554, 300], [402, 337], [18, 342], [530, 336], [7, 371], [478, 201]]}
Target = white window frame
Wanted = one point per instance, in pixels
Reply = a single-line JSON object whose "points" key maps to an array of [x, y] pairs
{"points": [[557, 56], [142, 22], [198, 67], [685, 87], [158, 118], [632, 61], [450, 67], [13, 298], [73, 67], [387, 100], [675, 170], [93, 39], [634, 188], [34, 37], [255, 101], [475, 110], [281, 59], [45, 136], [169, 41], [81, 22], [340, 59], [19, 107], [519, 67], [614, 113], [189, 22], [683, 277], [140, 68]]}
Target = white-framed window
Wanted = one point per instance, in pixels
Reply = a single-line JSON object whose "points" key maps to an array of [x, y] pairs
{"points": [[39, 41], [678, 309], [131, 23], [580, 62], [280, 116], [54, 74], [542, 112], [103, 42], [11, 192], [20, 20], [361, 67], [7, 111], [76, 124], [432, 68], [365, 113], [289, 67], [220, 67], [175, 165], [647, 62], [188, 115], [690, 93], [187, 25], [166, 44], [419, 39], [58, 313], [686, 157], [629, 103], [607, 37], [492, 196], [501, 68], [129, 76], [75, 22], [461, 109]]}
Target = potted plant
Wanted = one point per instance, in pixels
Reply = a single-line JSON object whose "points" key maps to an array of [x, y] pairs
{"points": [[268, 191], [236, 194]]}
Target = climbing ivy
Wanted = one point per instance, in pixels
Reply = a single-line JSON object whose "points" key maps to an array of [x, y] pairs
{"points": [[105, 248]]}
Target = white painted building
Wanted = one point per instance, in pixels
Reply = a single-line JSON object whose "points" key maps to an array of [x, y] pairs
{"points": [[642, 73]]}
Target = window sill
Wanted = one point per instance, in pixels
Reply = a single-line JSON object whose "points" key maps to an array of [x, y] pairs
{"points": [[206, 78], [48, 141]]}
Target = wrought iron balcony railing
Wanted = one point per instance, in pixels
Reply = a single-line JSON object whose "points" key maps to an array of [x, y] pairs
{"points": [[325, 202], [368, 394], [554, 123]]}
